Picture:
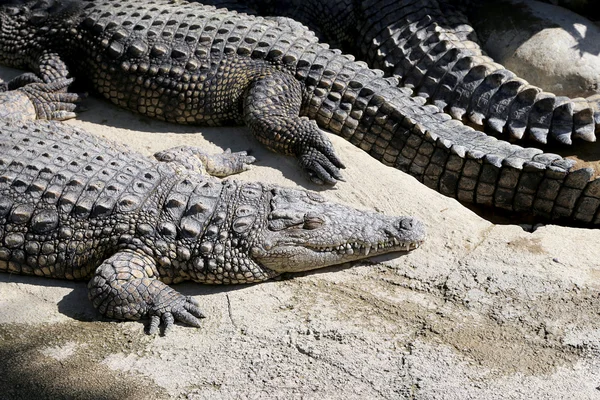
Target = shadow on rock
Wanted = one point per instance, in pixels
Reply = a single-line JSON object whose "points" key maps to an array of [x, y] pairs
{"points": [[63, 361]]}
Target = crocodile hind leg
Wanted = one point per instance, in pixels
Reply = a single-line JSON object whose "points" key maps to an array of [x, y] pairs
{"points": [[271, 108], [127, 286], [20, 81]]}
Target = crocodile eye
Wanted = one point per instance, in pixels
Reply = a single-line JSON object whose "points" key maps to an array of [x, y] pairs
{"points": [[312, 222]]}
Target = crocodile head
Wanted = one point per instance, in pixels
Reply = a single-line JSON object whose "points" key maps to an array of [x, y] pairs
{"points": [[242, 232], [304, 231]]}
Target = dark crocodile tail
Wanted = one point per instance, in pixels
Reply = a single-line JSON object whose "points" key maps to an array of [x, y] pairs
{"points": [[433, 50]]}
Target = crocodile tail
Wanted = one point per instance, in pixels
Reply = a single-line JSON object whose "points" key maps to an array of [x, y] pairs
{"points": [[432, 49], [401, 131]]}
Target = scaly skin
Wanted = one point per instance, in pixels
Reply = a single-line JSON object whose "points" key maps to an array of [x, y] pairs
{"points": [[74, 206], [191, 63], [431, 48]]}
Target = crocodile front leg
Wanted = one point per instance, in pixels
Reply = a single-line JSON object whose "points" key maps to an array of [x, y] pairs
{"points": [[195, 159], [271, 109], [127, 286], [39, 101]]}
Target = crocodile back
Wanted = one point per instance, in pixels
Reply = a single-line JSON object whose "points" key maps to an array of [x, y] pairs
{"points": [[66, 198], [185, 63]]}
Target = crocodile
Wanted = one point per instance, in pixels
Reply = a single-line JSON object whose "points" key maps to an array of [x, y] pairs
{"points": [[431, 48], [75, 206], [191, 63]]}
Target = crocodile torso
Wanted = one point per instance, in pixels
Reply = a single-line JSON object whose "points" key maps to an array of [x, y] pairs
{"points": [[190, 63], [431, 48], [74, 206]]}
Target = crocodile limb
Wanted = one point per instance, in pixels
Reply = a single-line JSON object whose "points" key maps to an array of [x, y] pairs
{"points": [[39, 101], [431, 47], [75, 206], [190, 63]]}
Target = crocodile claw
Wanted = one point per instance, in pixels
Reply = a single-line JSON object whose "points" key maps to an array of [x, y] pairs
{"points": [[317, 157], [320, 169], [52, 101], [180, 308], [228, 163]]}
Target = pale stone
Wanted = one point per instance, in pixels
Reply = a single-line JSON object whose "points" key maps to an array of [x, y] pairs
{"points": [[549, 46]]}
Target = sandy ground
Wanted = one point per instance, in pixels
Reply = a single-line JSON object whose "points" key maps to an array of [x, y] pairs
{"points": [[480, 311]]}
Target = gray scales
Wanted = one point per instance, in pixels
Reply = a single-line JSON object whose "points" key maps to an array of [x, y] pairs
{"points": [[431, 47], [190, 63], [74, 206]]}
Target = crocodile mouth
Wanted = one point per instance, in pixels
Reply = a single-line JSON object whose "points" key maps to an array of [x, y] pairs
{"points": [[364, 249], [300, 254]]}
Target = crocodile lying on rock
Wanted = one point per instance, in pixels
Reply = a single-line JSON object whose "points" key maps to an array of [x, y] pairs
{"points": [[431, 48], [191, 63], [75, 206]]}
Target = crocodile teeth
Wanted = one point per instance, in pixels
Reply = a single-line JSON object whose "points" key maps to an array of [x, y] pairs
{"points": [[366, 249]]}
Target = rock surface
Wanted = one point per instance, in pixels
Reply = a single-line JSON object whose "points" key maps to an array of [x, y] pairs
{"points": [[480, 311], [547, 45]]}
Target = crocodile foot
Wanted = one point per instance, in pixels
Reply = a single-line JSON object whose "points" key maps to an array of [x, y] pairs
{"points": [[170, 306], [126, 286], [51, 101], [195, 159], [318, 159]]}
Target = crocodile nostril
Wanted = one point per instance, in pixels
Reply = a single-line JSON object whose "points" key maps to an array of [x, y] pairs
{"points": [[407, 223], [412, 227]]}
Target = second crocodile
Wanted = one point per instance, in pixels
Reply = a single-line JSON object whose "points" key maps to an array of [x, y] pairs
{"points": [[195, 64], [431, 47]]}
